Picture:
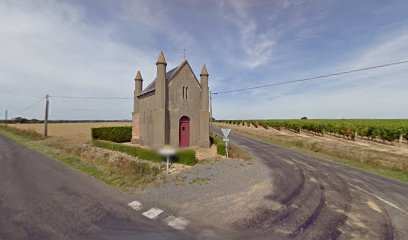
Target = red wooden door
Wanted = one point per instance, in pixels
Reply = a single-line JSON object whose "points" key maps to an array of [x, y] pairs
{"points": [[184, 131]]}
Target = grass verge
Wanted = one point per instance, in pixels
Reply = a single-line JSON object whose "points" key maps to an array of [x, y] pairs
{"points": [[234, 151], [123, 174], [301, 147]]}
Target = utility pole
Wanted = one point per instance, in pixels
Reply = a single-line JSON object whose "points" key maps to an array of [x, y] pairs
{"points": [[47, 102], [5, 118]]}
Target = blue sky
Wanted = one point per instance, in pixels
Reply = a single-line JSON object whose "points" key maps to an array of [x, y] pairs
{"points": [[94, 48]]}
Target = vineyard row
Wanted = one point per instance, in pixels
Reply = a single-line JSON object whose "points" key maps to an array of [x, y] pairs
{"points": [[386, 130]]}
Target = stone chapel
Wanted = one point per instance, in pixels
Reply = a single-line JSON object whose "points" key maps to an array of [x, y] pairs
{"points": [[173, 109]]}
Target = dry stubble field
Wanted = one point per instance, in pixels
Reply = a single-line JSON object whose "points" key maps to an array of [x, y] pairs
{"points": [[80, 132]]}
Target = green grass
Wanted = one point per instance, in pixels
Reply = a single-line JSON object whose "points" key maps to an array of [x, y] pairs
{"points": [[217, 140], [125, 175], [387, 172]]}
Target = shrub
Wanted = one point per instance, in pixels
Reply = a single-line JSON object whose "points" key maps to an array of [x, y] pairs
{"points": [[114, 134], [186, 157], [220, 145]]}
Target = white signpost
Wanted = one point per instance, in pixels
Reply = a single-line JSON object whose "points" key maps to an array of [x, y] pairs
{"points": [[167, 151], [225, 132]]}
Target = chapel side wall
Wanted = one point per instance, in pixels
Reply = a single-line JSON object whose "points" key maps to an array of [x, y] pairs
{"points": [[147, 103], [135, 128], [179, 107]]}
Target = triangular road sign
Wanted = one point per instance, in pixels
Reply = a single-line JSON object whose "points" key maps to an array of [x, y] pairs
{"points": [[226, 132]]}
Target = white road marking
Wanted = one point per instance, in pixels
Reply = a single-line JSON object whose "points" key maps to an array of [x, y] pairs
{"points": [[325, 164], [304, 164], [135, 205], [179, 223], [152, 213], [379, 198]]}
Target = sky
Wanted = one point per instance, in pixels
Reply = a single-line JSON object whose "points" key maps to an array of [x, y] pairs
{"points": [[94, 48]]}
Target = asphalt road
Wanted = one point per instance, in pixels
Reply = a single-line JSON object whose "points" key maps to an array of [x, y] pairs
{"points": [[42, 199], [324, 200]]}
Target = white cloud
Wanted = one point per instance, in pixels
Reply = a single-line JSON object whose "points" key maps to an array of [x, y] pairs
{"points": [[378, 93], [49, 48], [156, 16], [257, 46]]}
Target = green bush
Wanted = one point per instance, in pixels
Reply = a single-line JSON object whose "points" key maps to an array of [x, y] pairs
{"points": [[186, 157], [220, 145], [114, 134]]}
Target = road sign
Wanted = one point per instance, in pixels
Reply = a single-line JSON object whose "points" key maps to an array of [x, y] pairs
{"points": [[225, 139], [226, 132]]}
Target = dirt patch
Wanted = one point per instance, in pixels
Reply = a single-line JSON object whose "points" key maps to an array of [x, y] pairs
{"points": [[89, 152], [240, 205], [207, 153]]}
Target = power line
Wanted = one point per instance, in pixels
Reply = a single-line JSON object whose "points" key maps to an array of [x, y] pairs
{"points": [[315, 77], [31, 106], [95, 110], [83, 97]]}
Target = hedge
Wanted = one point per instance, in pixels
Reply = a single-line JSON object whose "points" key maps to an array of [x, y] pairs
{"points": [[114, 134], [186, 157]]}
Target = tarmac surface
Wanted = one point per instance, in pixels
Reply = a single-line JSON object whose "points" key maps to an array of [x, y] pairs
{"points": [[322, 199]]}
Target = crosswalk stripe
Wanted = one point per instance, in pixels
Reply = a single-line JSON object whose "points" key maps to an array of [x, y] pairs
{"points": [[136, 205], [152, 213], [178, 223]]}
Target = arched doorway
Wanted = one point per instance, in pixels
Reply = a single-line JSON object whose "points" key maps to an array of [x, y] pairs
{"points": [[184, 131]]}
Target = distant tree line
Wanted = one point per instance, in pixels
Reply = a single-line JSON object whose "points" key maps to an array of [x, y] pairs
{"points": [[33, 120]]}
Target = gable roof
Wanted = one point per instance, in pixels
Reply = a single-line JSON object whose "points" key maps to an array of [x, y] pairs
{"points": [[152, 85], [169, 76]]}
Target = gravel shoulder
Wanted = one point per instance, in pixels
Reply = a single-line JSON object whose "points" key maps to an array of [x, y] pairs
{"points": [[217, 192]]}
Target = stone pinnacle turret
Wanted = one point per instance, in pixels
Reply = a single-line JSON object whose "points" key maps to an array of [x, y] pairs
{"points": [[138, 76], [161, 59], [204, 71]]}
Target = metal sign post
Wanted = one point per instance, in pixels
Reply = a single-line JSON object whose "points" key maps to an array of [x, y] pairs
{"points": [[225, 132], [168, 152], [226, 145]]}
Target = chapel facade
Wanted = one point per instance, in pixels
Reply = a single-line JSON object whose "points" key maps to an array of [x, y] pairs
{"points": [[173, 109]]}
